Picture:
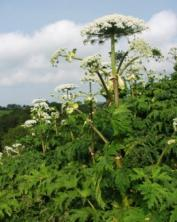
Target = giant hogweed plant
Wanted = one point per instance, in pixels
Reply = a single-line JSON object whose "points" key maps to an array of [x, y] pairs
{"points": [[108, 163], [123, 65]]}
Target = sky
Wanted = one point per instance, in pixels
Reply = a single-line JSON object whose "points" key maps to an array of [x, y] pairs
{"points": [[31, 31]]}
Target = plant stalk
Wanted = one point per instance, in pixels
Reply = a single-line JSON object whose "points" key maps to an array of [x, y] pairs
{"points": [[114, 74]]}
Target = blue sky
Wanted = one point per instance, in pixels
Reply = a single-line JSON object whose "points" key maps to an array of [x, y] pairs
{"points": [[28, 15], [27, 38]]}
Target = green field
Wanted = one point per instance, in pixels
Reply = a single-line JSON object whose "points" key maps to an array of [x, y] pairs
{"points": [[4, 112]]}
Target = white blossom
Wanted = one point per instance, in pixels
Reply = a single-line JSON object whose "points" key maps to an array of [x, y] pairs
{"points": [[90, 78], [55, 115], [119, 25], [71, 107], [9, 150], [47, 121], [29, 123], [42, 105], [69, 96], [93, 62], [90, 98], [141, 47], [17, 145], [65, 87], [35, 101]]}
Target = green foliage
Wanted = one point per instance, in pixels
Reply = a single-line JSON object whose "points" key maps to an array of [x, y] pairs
{"points": [[101, 163], [121, 121]]}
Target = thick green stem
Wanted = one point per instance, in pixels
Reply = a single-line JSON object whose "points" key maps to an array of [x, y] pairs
{"points": [[91, 117], [94, 128], [91, 102], [98, 132], [43, 145], [114, 74], [119, 164], [67, 94], [164, 152], [105, 87]]}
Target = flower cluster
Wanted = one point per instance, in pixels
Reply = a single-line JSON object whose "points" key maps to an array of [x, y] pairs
{"points": [[14, 149], [141, 47], [132, 73], [38, 101], [89, 78], [68, 55], [65, 92], [29, 123], [93, 63], [120, 25], [71, 107], [41, 113], [54, 60], [65, 87]]}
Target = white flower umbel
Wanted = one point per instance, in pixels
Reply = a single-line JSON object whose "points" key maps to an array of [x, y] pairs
{"points": [[90, 78], [93, 62], [71, 107], [11, 150], [65, 87], [29, 123], [141, 47], [95, 69], [120, 25], [17, 145], [36, 101]]}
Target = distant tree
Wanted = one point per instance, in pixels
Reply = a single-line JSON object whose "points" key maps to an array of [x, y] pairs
{"points": [[13, 106]]}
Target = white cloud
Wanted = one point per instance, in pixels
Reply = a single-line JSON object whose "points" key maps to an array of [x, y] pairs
{"points": [[25, 57], [162, 28]]}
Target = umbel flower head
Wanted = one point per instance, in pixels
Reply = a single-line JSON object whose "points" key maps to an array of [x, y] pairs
{"points": [[65, 87], [119, 25], [141, 47]]}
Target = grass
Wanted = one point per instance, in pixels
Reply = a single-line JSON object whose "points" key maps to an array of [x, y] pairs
{"points": [[4, 112]]}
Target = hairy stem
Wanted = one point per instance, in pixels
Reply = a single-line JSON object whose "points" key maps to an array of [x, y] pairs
{"points": [[104, 85], [113, 67], [98, 132], [94, 128]]}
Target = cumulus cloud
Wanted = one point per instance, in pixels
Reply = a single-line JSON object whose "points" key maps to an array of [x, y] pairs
{"points": [[162, 29], [25, 57]]}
